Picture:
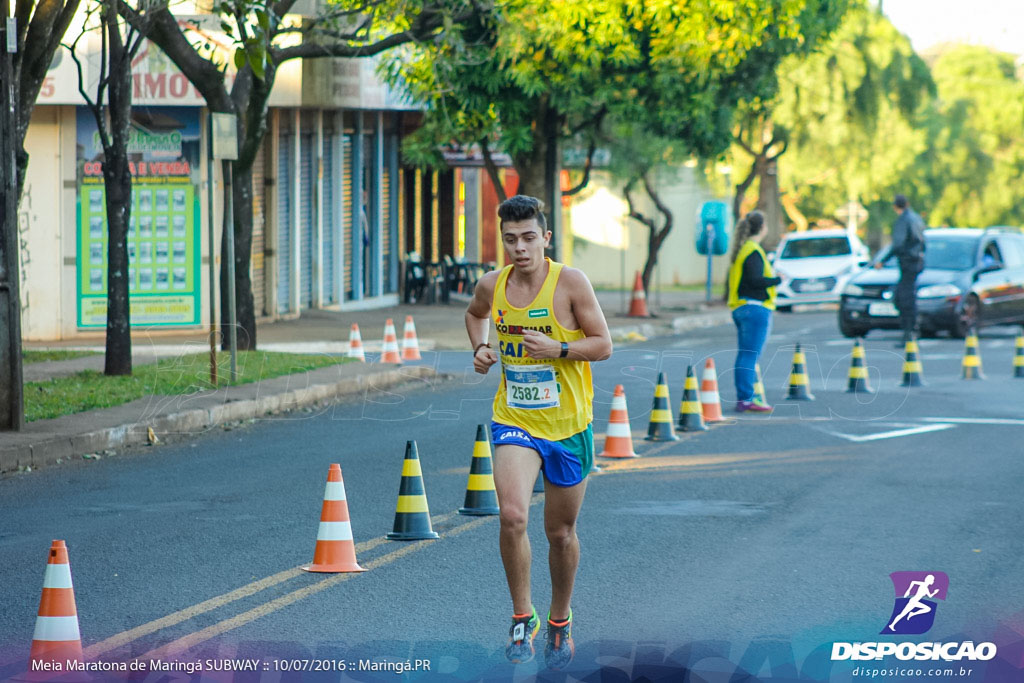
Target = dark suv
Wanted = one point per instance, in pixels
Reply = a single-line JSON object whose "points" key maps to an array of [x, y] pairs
{"points": [[971, 278]]}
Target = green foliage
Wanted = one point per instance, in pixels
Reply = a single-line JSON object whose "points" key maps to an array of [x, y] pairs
{"points": [[248, 24], [852, 112], [672, 67], [974, 155], [868, 118]]}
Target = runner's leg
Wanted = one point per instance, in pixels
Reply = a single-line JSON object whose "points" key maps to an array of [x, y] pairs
{"points": [[515, 471], [561, 508]]}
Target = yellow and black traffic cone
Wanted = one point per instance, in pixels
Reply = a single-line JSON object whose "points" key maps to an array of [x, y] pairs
{"points": [[912, 366], [799, 386], [481, 498], [412, 517], [858, 372], [660, 428], [1018, 356], [972, 361], [759, 386], [691, 417]]}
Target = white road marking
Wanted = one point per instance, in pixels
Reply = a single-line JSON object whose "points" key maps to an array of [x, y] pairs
{"points": [[861, 438], [976, 420]]}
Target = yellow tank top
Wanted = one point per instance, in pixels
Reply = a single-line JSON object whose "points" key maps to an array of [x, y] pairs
{"points": [[550, 398]]}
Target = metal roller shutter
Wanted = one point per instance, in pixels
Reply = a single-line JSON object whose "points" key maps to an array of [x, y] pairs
{"points": [[327, 257], [385, 221], [284, 221], [256, 270], [307, 216], [346, 189]]}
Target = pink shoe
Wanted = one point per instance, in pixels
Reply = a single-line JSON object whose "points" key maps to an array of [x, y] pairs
{"points": [[753, 407]]}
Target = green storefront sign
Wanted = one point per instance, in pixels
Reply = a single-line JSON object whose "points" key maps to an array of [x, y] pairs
{"points": [[163, 235]]}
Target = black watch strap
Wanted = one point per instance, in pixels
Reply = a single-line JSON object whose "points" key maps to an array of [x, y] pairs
{"points": [[565, 350]]}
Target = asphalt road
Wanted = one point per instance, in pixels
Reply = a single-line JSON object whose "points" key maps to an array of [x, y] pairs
{"points": [[747, 549]]}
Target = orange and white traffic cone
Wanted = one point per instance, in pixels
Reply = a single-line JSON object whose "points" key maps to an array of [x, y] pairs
{"points": [[335, 550], [638, 304], [355, 344], [410, 345], [56, 638], [710, 402], [618, 440], [389, 352]]}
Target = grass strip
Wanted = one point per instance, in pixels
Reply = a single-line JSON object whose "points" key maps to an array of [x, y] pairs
{"points": [[44, 355], [185, 374]]}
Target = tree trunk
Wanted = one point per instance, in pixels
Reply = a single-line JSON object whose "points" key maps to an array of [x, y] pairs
{"points": [[656, 237], [245, 306], [117, 180], [769, 203], [249, 95], [538, 169]]}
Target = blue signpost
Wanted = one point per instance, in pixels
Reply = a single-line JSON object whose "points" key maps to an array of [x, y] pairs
{"points": [[713, 235]]}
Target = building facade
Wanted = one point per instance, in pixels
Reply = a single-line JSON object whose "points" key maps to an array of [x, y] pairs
{"points": [[329, 219]]}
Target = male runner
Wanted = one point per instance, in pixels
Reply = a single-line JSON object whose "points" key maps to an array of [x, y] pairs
{"points": [[550, 327]]}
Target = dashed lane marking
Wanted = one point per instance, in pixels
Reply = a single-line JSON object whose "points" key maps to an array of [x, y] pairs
{"points": [[185, 643], [125, 637]]}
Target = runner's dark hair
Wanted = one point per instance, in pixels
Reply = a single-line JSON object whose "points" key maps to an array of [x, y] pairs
{"points": [[522, 207]]}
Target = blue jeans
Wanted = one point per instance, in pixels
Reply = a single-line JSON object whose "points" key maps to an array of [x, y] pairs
{"points": [[753, 325]]}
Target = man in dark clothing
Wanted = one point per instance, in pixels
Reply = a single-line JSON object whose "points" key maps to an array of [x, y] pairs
{"points": [[908, 248]]}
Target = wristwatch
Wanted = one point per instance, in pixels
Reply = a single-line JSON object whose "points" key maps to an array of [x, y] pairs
{"points": [[565, 350]]}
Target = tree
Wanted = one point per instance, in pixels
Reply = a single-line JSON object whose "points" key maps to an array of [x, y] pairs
{"points": [[847, 117], [660, 125], [41, 27], [264, 41], [112, 109], [642, 159], [973, 151], [536, 74]]}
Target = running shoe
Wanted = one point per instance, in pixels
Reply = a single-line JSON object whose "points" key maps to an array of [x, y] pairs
{"points": [[520, 643], [559, 649], [755, 406]]}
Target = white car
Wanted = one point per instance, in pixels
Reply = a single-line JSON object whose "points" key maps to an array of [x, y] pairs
{"points": [[815, 265]]}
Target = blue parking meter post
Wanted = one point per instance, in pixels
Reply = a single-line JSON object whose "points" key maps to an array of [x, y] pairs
{"points": [[713, 234], [709, 240]]}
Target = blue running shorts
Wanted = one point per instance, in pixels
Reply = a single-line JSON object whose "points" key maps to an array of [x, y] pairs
{"points": [[565, 462]]}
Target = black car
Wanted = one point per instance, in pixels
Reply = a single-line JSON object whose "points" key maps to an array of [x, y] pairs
{"points": [[971, 278]]}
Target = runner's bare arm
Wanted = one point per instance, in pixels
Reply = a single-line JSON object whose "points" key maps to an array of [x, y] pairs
{"points": [[478, 322], [597, 345]]}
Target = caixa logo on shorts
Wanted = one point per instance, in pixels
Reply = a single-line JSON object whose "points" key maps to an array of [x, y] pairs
{"points": [[913, 613], [512, 434]]}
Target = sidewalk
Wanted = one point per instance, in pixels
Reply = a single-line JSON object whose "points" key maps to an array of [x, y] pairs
{"points": [[438, 326]]}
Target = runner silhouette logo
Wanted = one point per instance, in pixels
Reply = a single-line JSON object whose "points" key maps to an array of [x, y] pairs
{"points": [[914, 611]]}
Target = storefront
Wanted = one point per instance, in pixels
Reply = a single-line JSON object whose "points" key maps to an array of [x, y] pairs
{"points": [[327, 207]]}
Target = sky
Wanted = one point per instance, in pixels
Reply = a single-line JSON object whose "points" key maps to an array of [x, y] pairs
{"points": [[994, 23]]}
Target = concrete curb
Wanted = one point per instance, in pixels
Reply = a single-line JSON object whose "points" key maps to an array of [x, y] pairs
{"points": [[71, 436]]}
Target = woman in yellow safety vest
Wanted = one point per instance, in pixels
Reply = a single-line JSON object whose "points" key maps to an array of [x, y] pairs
{"points": [[752, 283]]}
